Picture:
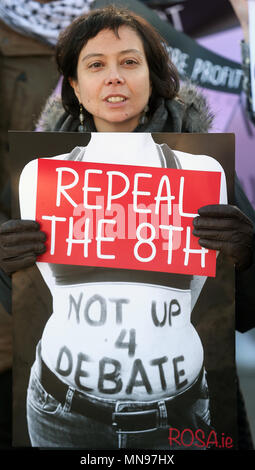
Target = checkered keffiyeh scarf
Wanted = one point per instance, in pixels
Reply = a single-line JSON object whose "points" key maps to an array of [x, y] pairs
{"points": [[43, 21]]}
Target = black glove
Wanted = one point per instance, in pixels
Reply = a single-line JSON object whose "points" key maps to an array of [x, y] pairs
{"points": [[20, 242], [227, 229]]}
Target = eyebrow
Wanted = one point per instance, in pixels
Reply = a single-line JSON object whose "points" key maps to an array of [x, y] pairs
{"points": [[98, 54]]}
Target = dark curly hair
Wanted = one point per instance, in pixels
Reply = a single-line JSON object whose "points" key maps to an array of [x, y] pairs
{"points": [[163, 74]]}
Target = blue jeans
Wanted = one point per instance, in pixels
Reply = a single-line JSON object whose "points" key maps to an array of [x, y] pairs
{"points": [[56, 425]]}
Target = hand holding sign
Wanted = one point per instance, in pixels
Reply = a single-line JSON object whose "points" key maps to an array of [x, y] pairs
{"points": [[20, 243], [226, 228]]}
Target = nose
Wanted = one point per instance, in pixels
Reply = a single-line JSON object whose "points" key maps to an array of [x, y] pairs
{"points": [[114, 77]]}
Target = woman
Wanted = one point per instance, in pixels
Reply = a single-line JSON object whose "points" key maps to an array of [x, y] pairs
{"points": [[115, 67]]}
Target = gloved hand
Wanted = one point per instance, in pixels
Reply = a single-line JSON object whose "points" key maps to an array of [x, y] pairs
{"points": [[20, 242], [225, 228]]}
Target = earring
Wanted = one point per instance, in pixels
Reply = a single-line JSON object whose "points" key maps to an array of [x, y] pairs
{"points": [[81, 117], [143, 118]]}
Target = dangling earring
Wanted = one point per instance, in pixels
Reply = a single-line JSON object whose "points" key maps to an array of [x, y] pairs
{"points": [[143, 118], [81, 117]]}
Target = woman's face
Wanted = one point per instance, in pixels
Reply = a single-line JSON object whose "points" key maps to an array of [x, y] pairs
{"points": [[113, 81]]}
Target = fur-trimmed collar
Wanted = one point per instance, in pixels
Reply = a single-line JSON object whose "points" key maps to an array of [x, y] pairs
{"points": [[190, 108]]}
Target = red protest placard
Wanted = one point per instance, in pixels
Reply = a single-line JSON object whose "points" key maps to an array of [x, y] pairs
{"points": [[120, 216]]}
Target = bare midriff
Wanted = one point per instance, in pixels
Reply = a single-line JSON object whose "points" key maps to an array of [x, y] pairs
{"points": [[119, 340]]}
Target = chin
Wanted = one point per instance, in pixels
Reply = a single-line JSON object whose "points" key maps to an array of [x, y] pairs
{"points": [[130, 122], [124, 119]]}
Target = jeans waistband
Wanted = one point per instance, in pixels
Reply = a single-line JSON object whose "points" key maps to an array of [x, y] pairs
{"points": [[124, 415]]}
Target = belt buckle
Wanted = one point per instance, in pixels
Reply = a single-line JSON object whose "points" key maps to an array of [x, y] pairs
{"points": [[116, 413]]}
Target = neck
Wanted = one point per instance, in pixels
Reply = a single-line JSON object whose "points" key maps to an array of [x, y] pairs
{"points": [[125, 126], [121, 147]]}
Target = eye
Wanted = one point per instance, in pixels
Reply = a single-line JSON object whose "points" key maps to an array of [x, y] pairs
{"points": [[95, 65], [130, 62]]}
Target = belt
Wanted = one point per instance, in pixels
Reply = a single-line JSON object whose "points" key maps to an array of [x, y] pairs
{"points": [[143, 417]]}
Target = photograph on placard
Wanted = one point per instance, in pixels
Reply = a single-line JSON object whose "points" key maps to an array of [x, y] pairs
{"points": [[130, 322]]}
